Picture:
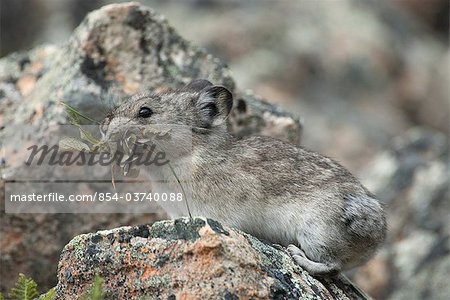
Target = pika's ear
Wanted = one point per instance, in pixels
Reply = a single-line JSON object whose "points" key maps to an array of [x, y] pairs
{"points": [[214, 104], [197, 85]]}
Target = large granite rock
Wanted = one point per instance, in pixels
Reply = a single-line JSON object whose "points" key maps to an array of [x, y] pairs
{"points": [[412, 176], [116, 51], [188, 259]]}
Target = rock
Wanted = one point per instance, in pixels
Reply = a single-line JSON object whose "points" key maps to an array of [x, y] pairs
{"points": [[422, 91], [31, 243], [116, 51], [433, 14], [356, 86], [412, 177], [188, 259], [430, 281]]}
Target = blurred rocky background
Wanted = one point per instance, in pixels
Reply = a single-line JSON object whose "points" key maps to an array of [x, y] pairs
{"points": [[369, 80]]}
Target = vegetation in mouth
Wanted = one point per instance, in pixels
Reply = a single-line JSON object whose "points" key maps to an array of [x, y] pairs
{"points": [[123, 143]]}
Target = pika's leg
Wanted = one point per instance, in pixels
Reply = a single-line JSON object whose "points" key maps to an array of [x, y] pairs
{"points": [[313, 267], [294, 250]]}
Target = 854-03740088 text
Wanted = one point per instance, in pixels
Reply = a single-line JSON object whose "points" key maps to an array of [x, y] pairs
{"points": [[97, 196]]}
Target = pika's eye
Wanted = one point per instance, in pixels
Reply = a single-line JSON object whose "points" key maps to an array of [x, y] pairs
{"points": [[145, 112]]}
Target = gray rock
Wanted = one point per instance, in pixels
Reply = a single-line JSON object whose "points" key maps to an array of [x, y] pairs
{"points": [[412, 177], [117, 51], [188, 258]]}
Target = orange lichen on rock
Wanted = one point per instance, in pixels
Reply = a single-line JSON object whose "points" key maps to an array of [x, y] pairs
{"points": [[26, 84]]}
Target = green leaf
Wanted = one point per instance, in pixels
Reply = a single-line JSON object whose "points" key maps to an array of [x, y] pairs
{"points": [[73, 117], [75, 114], [87, 136], [73, 144], [2, 297], [96, 290], [25, 289], [50, 295]]}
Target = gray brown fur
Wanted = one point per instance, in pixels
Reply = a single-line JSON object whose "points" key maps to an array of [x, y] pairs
{"points": [[271, 189]]}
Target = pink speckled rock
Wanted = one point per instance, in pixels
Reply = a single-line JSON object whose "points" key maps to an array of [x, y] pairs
{"points": [[188, 259]]}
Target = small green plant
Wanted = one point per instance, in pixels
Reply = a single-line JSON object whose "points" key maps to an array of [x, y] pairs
{"points": [[96, 290], [24, 289], [50, 295]]}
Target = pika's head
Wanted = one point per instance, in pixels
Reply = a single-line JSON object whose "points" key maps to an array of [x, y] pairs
{"points": [[199, 105]]}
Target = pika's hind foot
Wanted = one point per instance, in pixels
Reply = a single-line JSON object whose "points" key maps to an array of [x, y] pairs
{"points": [[294, 250], [312, 267]]}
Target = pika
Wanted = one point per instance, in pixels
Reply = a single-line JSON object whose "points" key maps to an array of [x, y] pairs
{"points": [[274, 190]]}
